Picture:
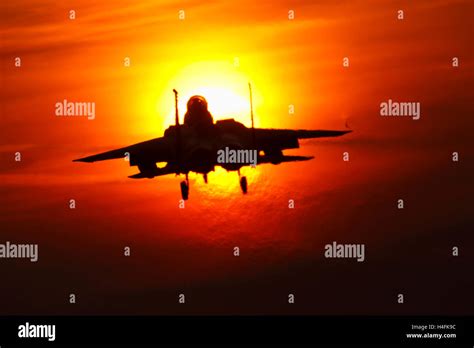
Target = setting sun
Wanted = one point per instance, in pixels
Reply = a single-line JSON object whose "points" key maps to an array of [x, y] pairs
{"points": [[221, 83]]}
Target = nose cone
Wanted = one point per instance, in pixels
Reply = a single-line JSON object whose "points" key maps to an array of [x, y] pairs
{"points": [[197, 103]]}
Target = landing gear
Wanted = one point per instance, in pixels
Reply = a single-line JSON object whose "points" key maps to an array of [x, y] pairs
{"points": [[243, 184], [185, 188], [205, 178]]}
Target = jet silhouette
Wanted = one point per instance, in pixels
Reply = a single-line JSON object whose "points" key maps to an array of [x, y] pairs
{"points": [[194, 146]]}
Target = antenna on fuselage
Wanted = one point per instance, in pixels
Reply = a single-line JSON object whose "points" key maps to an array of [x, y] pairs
{"points": [[176, 118], [178, 128], [251, 115], [251, 103]]}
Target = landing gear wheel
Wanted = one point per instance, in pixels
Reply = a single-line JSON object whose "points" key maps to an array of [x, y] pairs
{"points": [[243, 184], [184, 190]]}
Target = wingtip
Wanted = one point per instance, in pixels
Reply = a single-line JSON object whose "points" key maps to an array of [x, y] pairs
{"points": [[81, 160]]}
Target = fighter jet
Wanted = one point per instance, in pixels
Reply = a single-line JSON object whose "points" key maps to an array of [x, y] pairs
{"points": [[200, 144]]}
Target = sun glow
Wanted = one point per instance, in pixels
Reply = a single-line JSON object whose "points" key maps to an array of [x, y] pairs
{"points": [[221, 83], [225, 87]]}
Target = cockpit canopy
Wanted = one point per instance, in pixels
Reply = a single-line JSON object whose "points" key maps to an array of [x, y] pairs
{"points": [[197, 115], [197, 102]]}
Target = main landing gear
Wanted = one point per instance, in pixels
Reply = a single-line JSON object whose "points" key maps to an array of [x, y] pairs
{"points": [[185, 188], [243, 183], [185, 185]]}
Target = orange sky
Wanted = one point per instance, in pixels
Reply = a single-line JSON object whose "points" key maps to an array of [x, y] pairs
{"points": [[297, 62]]}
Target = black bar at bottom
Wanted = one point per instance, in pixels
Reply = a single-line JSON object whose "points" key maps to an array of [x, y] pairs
{"points": [[416, 330]]}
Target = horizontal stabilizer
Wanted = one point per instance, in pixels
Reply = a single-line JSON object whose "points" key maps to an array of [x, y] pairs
{"points": [[152, 173], [138, 176], [281, 159]]}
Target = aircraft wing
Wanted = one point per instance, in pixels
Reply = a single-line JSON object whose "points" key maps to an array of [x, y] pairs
{"points": [[154, 150], [113, 154], [265, 133], [288, 138]]}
